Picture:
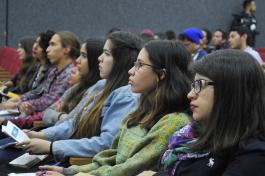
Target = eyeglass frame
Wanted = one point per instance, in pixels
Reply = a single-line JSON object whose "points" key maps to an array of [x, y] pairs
{"points": [[201, 85], [137, 65]]}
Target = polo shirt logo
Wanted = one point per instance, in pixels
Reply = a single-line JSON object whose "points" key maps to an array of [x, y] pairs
{"points": [[211, 162]]}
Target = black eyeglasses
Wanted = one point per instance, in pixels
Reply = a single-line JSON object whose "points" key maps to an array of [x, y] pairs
{"points": [[199, 84], [138, 65]]}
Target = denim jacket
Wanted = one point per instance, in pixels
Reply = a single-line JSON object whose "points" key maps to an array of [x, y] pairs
{"points": [[117, 105]]}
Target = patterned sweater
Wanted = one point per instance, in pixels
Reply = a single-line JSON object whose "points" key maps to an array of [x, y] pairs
{"points": [[44, 95], [134, 149]]}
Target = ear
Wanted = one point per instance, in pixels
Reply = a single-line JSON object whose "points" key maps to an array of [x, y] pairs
{"points": [[163, 73], [67, 50], [244, 37]]}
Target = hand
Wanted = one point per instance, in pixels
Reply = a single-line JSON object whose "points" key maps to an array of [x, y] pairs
{"points": [[26, 107], [146, 173], [14, 99], [2, 86], [2, 83], [263, 65], [35, 134], [9, 105], [62, 117], [2, 120], [59, 106], [51, 170], [52, 173], [35, 146], [83, 174]]}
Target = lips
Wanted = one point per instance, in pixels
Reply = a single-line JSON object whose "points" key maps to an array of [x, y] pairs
{"points": [[130, 81], [192, 106], [78, 67]]}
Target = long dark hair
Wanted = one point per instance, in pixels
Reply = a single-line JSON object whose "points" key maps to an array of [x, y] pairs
{"points": [[125, 48], [239, 100], [94, 47], [170, 94], [45, 38], [28, 62]]}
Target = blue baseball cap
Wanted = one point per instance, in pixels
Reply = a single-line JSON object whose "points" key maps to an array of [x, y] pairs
{"points": [[194, 34]]}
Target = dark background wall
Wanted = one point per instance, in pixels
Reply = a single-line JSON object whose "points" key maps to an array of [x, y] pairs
{"points": [[2, 22], [95, 17]]}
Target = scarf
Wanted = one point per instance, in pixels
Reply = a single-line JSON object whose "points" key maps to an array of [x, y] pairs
{"points": [[178, 151]]}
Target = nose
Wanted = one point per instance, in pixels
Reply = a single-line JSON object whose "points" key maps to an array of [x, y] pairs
{"points": [[100, 58], [48, 49], [132, 71], [229, 39], [78, 60], [191, 95], [34, 46]]}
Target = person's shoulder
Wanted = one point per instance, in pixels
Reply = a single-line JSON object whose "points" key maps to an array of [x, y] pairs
{"points": [[100, 84], [125, 91], [69, 67], [251, 51], [97, 87], [176, 118], [254, 144], [247, 160], [49, 67], [203, 52], [250, 147]]}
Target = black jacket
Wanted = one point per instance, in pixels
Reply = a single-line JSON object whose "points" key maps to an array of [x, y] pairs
{"points": [[247, 162], [248, 21]]}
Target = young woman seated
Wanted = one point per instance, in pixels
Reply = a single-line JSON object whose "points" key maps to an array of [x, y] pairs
{"points": [[227, 135], [92, 124], [160, 74]]}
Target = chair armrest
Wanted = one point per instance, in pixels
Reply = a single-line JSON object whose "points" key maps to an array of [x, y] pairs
{"points": [[79, 161]]}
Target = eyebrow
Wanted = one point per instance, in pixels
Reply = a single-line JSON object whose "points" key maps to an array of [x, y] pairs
{"points": [[106, 50], [141, 60]]}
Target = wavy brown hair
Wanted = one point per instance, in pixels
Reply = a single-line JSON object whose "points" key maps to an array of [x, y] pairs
{"points": [[125, 48], [170, 94]]}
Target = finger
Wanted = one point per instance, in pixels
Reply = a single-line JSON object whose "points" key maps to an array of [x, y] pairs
{"points": [[22, 108], [27, 148], [53, 173], [23, 143], [48, 167], [43, 167], [38, 173], [29, 105], [26, 130]]}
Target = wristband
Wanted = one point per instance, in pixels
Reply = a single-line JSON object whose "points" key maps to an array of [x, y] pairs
{"points": [[51, 153]]}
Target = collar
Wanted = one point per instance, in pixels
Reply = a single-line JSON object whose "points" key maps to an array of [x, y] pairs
{"points": [[59, 72]]}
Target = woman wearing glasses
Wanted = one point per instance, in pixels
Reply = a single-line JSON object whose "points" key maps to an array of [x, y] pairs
{"points": [[160, 74], [227, 136]]}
